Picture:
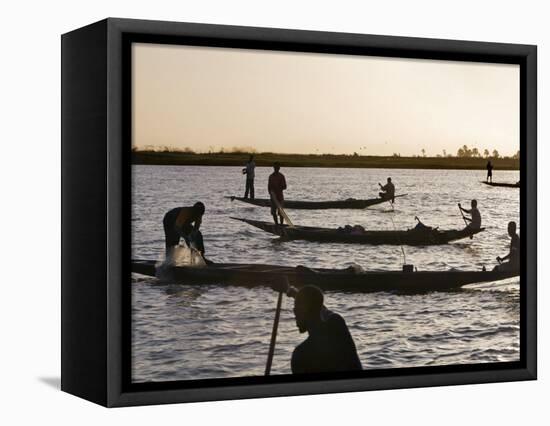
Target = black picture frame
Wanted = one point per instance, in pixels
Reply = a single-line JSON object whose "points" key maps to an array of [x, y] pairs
{"points": [[96, 209]]}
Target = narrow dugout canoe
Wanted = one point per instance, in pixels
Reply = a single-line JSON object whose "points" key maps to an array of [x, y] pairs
{"points": [[411, 237], [350, 203], [257, 275], [501, 184]]}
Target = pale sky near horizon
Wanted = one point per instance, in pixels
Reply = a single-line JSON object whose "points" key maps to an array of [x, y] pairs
{"points": [[209, 98]]}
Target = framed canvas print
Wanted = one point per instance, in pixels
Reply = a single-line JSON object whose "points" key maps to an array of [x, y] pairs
{"points": [[253, 212]]}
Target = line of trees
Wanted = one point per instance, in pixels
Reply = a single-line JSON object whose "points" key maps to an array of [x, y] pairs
{"points": [[473, 152], [187, 150], [462, 152], [465, 152]]}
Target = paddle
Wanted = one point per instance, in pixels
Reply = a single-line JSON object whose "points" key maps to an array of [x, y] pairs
{"points": [[281, 210], [274, 331]]}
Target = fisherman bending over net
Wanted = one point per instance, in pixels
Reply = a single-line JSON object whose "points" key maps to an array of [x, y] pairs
{"points": [[184, 222]]}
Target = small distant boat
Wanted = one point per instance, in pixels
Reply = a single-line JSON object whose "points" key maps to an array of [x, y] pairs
{"points": [[350, 203], [502, 184], [411, 237], [349, 279]]}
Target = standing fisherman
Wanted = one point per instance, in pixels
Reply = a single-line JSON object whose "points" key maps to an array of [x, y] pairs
{"points": [[275, 186], [489, 171], [249, 172]]}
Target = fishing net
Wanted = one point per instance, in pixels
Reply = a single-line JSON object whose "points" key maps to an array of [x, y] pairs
{"points": [[183, 255]]}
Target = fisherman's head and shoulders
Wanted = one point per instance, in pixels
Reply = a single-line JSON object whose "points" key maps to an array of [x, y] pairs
{"points": [[329, 345], [473, 207], [187, 213], [512, 233], [276, 169], [389, 186]]}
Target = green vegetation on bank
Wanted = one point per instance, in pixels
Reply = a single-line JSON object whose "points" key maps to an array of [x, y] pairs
{"points": [[325, 160]]}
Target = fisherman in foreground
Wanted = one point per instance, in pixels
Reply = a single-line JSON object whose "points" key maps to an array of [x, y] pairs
{"points": [[275, 186], [475, 219], [249, 172], [329, 346], [513, 256], [388, 190], [184, 222]]}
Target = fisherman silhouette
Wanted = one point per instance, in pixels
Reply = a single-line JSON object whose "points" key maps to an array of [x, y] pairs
{"points": [[329, 346], [513, 254], [249, 172], [275, 187], [475, 220], [489, 171], [184, 222], [388, 190]]}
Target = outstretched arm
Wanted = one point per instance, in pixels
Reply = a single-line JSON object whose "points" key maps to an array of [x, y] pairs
{"points": [[502, 259]]}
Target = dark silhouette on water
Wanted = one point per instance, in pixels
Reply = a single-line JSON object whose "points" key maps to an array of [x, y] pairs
{"points": [[249, 172], [275, 187], [513, 255], [502, 184], [419, 235], [388, 190], [475, 219], [329, 346], [489, 171], [184, 222]]}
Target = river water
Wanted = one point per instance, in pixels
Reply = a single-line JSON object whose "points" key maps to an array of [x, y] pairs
{"points": [[182, 332]]}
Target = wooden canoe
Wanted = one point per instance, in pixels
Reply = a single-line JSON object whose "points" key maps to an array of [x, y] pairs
{"points": [[350, 203], [411, 237], [501, 184], [254, 275]]}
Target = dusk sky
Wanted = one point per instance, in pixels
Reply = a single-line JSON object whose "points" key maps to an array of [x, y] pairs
{"points": [[210, 98]]}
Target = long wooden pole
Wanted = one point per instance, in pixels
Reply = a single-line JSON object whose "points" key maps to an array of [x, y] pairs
{"points": [[280, 208], [274, 335]]}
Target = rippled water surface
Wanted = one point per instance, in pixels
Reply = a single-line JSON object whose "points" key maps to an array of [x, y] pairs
{"points": [[182, 332]]}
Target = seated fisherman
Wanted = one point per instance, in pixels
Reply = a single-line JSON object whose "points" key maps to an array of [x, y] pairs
{"points": [[329, 346], [475, 219], [388, 190], [513, 256], [420, 226], [184, 222]]}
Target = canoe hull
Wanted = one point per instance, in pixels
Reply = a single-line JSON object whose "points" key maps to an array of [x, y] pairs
{"points": [[326, 235], [502, 185], [327, 279], [317, 205]]}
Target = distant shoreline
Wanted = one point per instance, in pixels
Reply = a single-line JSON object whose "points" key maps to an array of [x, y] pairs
{"points": [[327, 160]]}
